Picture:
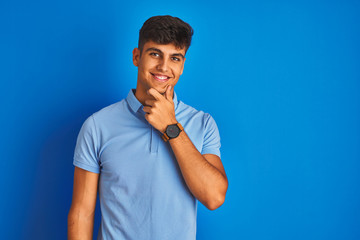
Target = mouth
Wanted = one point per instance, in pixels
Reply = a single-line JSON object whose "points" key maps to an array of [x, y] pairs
{"points": [[160, 77]]}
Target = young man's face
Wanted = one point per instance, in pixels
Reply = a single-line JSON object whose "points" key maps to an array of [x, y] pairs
{"points": [[158, 66]]}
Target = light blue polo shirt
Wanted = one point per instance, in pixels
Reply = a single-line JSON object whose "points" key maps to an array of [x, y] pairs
{"points": [[142, 193]]}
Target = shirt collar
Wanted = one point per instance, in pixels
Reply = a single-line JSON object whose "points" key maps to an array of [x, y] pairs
{"points": [[135, 105]]}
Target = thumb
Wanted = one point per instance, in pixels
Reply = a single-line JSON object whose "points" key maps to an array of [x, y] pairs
{"points": [[168, 93]]}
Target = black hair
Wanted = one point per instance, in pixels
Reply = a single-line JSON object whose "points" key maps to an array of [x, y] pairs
{"points": [[164, 30]]}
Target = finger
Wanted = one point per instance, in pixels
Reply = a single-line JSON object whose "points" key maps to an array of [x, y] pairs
{"points": [[147, 109], [168, 93], [155, 94], [150, 102], [147, 117]]}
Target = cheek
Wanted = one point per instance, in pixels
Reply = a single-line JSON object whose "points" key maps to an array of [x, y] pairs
{"points": [[176, 68], [148, 67], [144, 69], [179, 71]]}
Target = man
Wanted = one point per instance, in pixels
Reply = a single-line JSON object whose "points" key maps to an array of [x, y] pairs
{"points": [[150, 155]]}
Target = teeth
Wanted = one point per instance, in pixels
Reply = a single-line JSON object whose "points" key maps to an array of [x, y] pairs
{"points": [[161, 77]]}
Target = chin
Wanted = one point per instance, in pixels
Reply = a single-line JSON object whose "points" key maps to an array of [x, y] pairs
{"points": [[161, 89]]}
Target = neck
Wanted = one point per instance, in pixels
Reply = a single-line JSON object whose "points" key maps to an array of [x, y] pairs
{"points": [[141, 96]]}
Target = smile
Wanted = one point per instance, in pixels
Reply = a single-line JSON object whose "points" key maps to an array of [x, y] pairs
{"points": [[160, 78]]}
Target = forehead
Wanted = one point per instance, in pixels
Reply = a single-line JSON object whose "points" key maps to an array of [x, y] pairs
{"points": [[165, 48]]}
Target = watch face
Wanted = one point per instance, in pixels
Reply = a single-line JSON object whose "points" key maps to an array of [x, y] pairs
{"points": [[172, 131]]}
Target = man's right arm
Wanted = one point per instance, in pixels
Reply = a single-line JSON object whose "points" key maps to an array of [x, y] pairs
{"points": [[82, 211]]}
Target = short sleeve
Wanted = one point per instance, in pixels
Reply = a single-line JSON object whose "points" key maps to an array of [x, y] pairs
{"points": [[85, 155], [211, 137]]}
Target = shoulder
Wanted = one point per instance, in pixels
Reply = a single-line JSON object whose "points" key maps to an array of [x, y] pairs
{"points": [[190, 113], [105, 116], [200, 127], [196, 122], [110, 110], [115, 112]]}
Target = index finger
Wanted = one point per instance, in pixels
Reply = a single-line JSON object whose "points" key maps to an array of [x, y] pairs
{"points": [[153, 92]]}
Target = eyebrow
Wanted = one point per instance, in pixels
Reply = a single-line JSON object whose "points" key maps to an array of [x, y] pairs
{"points": [[159, 51]]}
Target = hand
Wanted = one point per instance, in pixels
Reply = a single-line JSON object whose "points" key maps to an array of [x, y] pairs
{"points": [[160, 112]]}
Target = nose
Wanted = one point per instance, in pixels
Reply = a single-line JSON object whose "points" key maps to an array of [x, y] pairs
{"points": [[163, 65]]}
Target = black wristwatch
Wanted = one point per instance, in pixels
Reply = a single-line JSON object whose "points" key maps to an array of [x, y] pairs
{"points": [[172, 131]]}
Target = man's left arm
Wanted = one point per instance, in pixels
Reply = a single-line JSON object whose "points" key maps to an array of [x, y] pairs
{"points": [[204, 174]]}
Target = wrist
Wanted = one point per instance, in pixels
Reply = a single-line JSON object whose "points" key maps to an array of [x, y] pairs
{"points": [[170, 122]]}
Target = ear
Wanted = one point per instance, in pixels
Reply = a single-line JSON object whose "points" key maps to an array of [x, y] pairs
{"points": [[182, 67], [136, 56]]}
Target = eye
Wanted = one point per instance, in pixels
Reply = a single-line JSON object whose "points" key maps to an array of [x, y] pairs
{"points": [[154, 54], [176, 59]]}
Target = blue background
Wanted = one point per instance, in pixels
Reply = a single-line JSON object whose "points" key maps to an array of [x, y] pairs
{"points": [[281, 79]]}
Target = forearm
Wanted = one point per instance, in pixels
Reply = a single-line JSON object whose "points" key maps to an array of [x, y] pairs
{"points": [[80, 227], [203, 179]]}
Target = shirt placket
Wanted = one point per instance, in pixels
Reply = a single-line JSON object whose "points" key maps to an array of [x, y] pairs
{"points": [[154, 135], [154, 141]]}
